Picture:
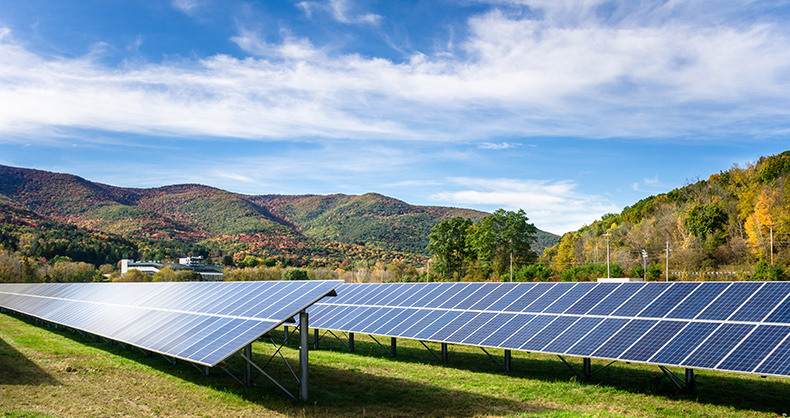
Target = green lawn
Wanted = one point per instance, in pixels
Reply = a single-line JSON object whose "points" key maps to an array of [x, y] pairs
{"points": [[57, 373]]}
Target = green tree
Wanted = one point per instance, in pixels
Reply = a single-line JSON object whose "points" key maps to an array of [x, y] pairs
{"points": [[187, 276], [248, 261], [533, 273], [133, 275], [498, 237], [654, 272], [705, 219], [295, 274], [167, 274], [448, 241], [765, 271], [28, 272]]}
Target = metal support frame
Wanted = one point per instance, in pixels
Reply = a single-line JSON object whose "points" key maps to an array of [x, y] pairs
{"points": [[303, 376], [430, 351], [145, 352], [508, 362], [587, 368], [350, 342], [495, 360], [587, 372], [201, 369], [248, 365], [393, 346], [171, 360], [382, 345], [445, 355], [686, 383]]}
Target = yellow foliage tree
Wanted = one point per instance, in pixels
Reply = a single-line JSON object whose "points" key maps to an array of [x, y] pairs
{"points": [[760, 221], [566, 252]]}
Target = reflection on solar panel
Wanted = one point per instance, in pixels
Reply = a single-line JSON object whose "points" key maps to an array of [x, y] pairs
{"points": [[730, 326], [201, 322]]}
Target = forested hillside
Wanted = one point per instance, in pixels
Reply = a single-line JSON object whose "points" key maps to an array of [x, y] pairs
{"points": [[731, 225], [173, 221], [368, 220]]}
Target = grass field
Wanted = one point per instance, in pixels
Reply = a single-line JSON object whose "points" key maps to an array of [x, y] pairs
{"points": [[57, 373]]}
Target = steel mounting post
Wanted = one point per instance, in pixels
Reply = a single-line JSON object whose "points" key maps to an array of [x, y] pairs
{"points": [[303, 354]]}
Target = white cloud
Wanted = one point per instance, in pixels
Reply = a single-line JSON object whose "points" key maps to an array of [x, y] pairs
{"points": [[554, 206], [636, 70], [291, 48], [341, 12]]}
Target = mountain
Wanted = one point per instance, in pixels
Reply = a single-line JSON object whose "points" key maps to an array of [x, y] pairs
{"points": [[175, 218], [731, 224], [38, 236], [370, 219]]}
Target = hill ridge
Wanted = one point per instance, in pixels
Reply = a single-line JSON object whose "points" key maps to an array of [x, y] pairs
{"points": [[229, 222]]}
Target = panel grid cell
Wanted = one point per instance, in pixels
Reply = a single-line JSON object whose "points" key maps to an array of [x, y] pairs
{"points": [[754, 348]]}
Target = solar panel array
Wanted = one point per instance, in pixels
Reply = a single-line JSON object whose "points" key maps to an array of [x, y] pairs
{"points": [[731, 326], [201, 322]]}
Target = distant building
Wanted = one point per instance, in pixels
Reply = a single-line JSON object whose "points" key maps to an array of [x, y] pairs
{"points": [[191, 261], [210, 273]]}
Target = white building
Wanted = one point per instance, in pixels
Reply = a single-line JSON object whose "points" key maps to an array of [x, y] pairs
{"points": [[211, 273]]}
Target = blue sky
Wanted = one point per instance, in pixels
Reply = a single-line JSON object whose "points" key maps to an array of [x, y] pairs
{"points": [[566, 109]]}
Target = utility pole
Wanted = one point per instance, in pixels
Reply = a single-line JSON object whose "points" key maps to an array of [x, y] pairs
{"points": [[667, 274], [596, 251], [607, 255], [428, 274], [511, 267], [644, 262], [772, 244]]}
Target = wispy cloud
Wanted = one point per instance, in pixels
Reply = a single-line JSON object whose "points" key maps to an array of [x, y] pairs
{"points": [[554, 205], [340, 10], [497, 146], [186, 6], [651, 185]]}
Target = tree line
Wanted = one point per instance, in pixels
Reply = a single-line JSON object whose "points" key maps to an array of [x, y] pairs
{"points": [[737, 221], [489, 248]]}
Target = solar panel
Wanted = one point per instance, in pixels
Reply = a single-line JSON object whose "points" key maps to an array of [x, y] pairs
{"points": [[653, 340], [733, 326], [201, 322]]}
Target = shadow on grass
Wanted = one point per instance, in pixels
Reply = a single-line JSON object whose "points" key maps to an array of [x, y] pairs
{"points": [[334, 391], [16, 369], [742, 392]]}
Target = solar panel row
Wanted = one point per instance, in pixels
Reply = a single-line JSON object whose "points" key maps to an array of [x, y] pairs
{"points": [[733, 326], [201, 322]]}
